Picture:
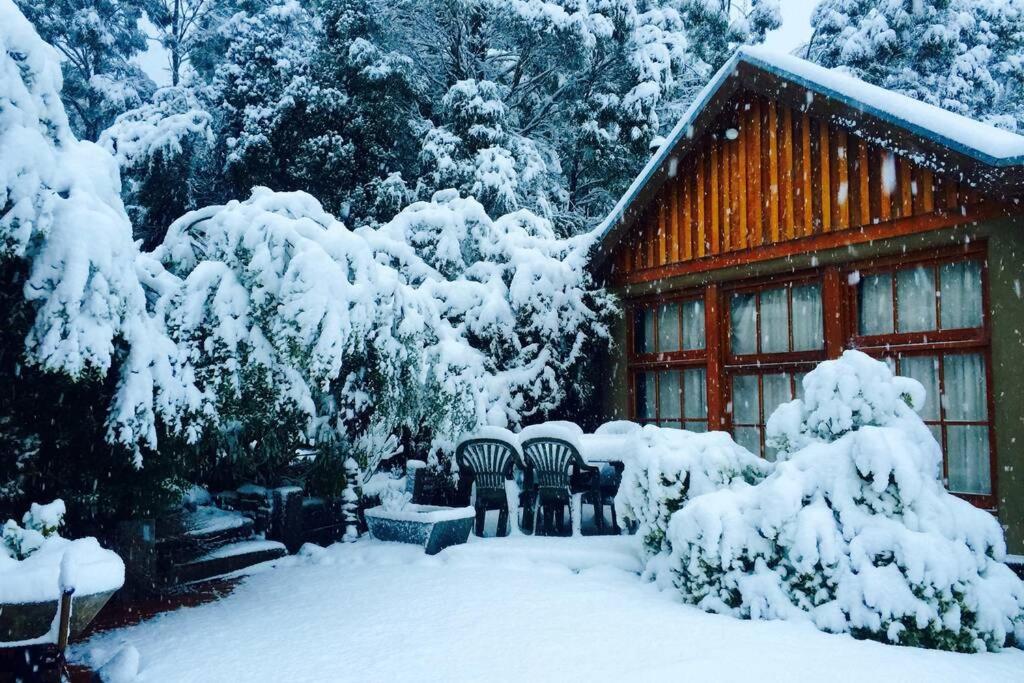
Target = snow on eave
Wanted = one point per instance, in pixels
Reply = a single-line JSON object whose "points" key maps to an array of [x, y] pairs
{"points": [[981, 141], [987, 144]]}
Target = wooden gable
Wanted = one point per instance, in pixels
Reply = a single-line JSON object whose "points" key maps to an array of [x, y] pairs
{"points": [[766, 179]]}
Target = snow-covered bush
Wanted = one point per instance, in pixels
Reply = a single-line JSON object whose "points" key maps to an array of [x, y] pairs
{"points": [[297, 330], [666, 468], [36, 563], [853, 530]]}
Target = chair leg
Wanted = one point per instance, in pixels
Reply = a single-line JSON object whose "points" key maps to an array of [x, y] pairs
{"points": [[481, 518], [615, 522], [599, 510], [560, 518], [529, 521], [503, 523]]}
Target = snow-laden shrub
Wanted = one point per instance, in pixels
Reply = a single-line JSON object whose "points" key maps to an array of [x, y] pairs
{"points": [[36, 563], [666, 468], [853, 530], [298, 330]]}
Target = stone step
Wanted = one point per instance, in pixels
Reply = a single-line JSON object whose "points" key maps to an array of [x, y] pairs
{"points": [[226, 559], [202, 532]]}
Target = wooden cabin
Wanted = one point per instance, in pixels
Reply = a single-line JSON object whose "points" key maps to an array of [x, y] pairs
{"points": [[795, 212]]}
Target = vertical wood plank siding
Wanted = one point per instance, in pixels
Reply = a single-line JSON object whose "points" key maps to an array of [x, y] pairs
{"points": [[784, 176]]}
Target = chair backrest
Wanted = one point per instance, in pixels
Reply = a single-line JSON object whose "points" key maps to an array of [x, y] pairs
{"points": [[490, 461], [550, 460]]}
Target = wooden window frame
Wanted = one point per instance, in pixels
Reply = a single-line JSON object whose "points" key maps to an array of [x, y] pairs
{"points": [[658, 361], [760, 364]]}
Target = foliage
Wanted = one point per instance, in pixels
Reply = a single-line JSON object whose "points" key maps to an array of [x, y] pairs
{"points": [[961, 55], [96, 39]]}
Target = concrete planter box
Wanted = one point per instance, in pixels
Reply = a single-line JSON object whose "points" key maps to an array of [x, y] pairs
{"points": [[28, 620], [430, 526]]}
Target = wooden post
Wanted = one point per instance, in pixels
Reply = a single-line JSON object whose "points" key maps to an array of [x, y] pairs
{"points": [[832, 297], [713, 343], [64, 628]]}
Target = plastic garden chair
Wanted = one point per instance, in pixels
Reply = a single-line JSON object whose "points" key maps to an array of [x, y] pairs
{"points": [[557, 471], [488, 463]]}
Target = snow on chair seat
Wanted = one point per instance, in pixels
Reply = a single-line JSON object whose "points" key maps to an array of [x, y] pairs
{"points": [[558, 473]]}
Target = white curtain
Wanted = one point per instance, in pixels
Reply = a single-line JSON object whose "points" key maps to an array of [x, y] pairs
{"points": [[693, 325], [967, 446], [743, 323], [961, 294], [745, 399], [808, 334], [925, 369], [915, 295], [668, 395], [874, 306], [774, 320], [695, 393], [668, 327]]}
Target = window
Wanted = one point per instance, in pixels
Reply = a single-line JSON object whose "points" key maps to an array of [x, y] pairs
{"points": [[673, 398], [776, 320], [754, 398], [927, 320], [668, 365], [921, 298], [668, 327], [776, 335], [957, 413]]}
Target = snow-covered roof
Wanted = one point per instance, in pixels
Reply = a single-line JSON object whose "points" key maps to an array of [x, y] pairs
{"points": [[981, 142]]}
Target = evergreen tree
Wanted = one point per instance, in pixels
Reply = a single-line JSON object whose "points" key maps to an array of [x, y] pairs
{"points": [[962, 55], [96, 38]]}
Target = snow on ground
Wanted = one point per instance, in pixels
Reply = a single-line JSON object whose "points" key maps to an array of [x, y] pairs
{"points": [[520, 608]]}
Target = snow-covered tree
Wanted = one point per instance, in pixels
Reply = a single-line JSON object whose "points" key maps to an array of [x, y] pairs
{"points": [[96, 38], [164, 151], [963, 55], [81, 362]]}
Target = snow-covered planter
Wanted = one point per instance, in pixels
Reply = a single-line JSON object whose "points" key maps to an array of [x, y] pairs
{"points": [[668, 467], [37, 565], [853, 530], [432, 526]]}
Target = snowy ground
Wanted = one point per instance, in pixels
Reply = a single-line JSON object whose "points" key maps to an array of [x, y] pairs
{"points": [[521, 608]]}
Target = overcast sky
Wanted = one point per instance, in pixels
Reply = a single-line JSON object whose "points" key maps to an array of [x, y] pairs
{"points": [[794, 32]]}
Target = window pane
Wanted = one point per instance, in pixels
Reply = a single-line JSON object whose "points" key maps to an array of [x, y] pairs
{"points": [[745, 399], [668, 327], [776, 392], [874, 307], [695, 393], [699, 427], [643, 331], [968, 459], [774, 321], [966, 397], [925, 369], [693, 325], [807, 318], [749, 438], [743, 317], [961, 294], [915, 294], [644, 396], [668, 395]]}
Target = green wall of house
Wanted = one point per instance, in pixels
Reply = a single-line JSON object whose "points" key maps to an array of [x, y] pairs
{"points": [[1006, 297]]}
